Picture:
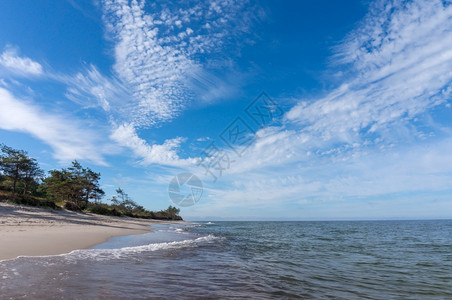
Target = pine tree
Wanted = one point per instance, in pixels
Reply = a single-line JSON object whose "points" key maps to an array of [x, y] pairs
{"points": [[19, 168], [75, 184]]}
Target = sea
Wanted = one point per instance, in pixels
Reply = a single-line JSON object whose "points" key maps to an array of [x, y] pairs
{"points": [[248, 260]]}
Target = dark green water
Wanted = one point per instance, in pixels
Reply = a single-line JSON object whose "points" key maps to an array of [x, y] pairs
{"points": [[249, 260]]}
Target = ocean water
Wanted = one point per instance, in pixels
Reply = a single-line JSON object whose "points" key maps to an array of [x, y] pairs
{"points": [[248, 260]]}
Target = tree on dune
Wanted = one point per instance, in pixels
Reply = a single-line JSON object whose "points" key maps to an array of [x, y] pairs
{"points": [[19, 169], [76, 185]]}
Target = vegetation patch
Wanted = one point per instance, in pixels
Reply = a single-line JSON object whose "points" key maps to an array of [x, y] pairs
{"points": [[75, 188]]}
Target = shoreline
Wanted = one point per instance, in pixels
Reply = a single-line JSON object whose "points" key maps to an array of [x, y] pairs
{"points": [[32, 231]]}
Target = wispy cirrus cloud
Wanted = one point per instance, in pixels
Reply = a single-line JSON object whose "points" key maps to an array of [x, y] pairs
{"points": [[69, 140], [153, 73], [399, 65], [160, 52], [164, 154], [367, 181], [406, 72], [18, 65], [350, 143], [157, 50], [157, 67], [90, 88]]}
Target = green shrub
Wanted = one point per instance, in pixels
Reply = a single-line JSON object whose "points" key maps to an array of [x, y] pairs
{"points": [[71, 206], [103, 209]]}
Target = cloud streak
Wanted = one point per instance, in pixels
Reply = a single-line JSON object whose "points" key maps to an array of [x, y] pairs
{"points": [[157, 51], [164, 154], [69, 140], [397, 66], [158, 69], [91, 88], [388, 85], [22, 66]]}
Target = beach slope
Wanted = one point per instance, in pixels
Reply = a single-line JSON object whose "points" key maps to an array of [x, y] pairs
{"points": [[35, 231]]}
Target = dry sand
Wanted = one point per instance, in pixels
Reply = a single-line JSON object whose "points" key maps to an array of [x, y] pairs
{"points": [[34, 231]]}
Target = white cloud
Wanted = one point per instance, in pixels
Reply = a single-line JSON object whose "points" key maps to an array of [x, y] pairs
{"points": [[164, 154], [351, 143], [156, 72], [367, 175], [405, 74], [156, 53], [69, 140], [374, 108], [401, 66], [90, 89], [203, 139], [22, 66], [153, 73]]}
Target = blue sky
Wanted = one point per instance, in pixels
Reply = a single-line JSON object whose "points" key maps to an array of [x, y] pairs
{"points": [[358, 96]]}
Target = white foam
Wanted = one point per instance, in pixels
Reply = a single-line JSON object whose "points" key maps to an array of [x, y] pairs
{"points": [[107, 254], [181, 231]]}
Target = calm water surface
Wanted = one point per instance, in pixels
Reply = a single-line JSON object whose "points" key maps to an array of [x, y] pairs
{"points": [[258, 260]]}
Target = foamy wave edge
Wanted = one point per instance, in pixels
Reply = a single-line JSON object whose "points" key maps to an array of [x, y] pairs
{"points": [[102, 254]]}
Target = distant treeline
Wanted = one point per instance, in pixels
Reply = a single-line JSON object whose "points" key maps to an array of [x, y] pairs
{"points": [[75, 188]]}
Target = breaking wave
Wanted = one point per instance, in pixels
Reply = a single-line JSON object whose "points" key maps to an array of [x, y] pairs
{"points": [[108, 254]]}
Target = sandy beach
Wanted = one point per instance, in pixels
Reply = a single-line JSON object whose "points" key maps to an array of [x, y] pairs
{"points": [[35, 231]]}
